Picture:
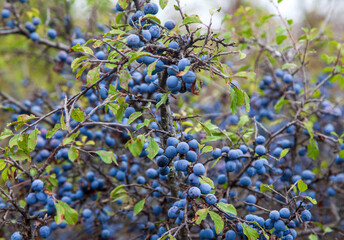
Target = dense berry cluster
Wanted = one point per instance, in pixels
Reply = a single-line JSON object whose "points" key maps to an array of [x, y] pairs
{"points": [[118, 159]]}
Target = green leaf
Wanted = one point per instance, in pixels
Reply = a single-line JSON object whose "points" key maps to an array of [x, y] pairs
{"points": [[52, 179], [71, 138], [65, 212], [81, 70], [243, 120], [234, 98], [341, 154], [214, 10], [313, 237], [280, 104], [21, 120], [63, 124], [312, 200], [163, 3], [229, 208], [133, 117], [163, 99], [312, 149], [53, 131], [14, 140], [215, 162], [242, 55], [207, 149], [284, 152], [73, 153], [219, 224], [204, 179], [145, 123], [113, 107], [202, 214], [107, 156], [2, 164], [123, 3], [169, 237], [153, 17], [93, 76], [280, 39], [205, 129], [116, 32], [124, 78], [265, 187], [139, 206], [77, 114], [151, 68], [309, 127], [121, 109], [20, 155], [301, 186], [247, 102], [135, 145], [263, 231], [153, 148], [118, 190], [32, 142], [70, 214], [136, 55], [5, 134], [77, 62], [249, 232], [59, 212], [191, 19], [289, 66]]}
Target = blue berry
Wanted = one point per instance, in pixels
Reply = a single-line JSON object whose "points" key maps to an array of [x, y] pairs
{"points": [[37, 185], [199, 169], [194, 192], [205, 188], [206, 234], [155, 31], [182, 148], [230, 235], [284, 212], [260, 150], [44, 231], [162, 161], [245, 181], [306, 216], [172, 82], [287, 78], [189, 77], [171, 152], [133, 40], [274, 215], [128, 111], [170, 24], [16, 236], [216, 153], [150, 8], [172, 141], [184, 62], [211, 199], [279, 225], [5, 13], [191, 156], [260, 140], [222, 179], [86, 213]]}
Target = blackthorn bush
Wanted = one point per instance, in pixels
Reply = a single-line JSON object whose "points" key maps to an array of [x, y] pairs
{"points": [[171, 130]]}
